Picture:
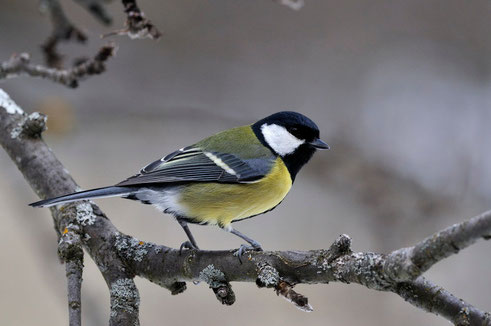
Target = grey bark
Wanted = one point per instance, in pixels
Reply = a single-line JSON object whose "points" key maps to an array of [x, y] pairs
{"points": [[409, 263], [71, 253], [21, 139], [20, 65], [137, 26], [121, 257]]}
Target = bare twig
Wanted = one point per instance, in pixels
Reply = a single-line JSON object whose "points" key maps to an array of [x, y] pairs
{"points": [[268, 276], [97, 9], [136, 26], [300, 301], [63, 30], [121, 257], [20, 64]]}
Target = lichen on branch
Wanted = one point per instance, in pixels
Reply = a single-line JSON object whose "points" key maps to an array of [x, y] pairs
{"points": [[121, 257]]}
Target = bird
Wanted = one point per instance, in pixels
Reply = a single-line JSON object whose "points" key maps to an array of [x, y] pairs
{"points": [[233, 175]]}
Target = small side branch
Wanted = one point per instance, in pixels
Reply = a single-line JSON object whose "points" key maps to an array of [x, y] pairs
{"points": [[71, 253], [63, 30], [219, 284], [409, 263], [435, 299], [20, 64], [97, 9], [137, 25], [300, 301], [74, 268]]}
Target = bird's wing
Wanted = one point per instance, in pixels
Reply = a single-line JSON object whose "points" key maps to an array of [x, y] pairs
{"points": [[192, 164]]}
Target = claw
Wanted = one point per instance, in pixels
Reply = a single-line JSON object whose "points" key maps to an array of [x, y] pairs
{"points": [[187, 245], [243, 248]]}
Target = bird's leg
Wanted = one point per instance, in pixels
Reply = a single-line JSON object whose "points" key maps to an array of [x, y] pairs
{"points": [[191, 244], [254, 245]]}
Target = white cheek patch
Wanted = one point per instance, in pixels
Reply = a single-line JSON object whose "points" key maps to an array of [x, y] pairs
{"points": [[280, 140]]}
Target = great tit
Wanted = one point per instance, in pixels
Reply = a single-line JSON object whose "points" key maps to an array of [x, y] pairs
{"points": [[233, 175]]}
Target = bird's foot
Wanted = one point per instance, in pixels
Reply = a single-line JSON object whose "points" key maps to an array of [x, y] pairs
{"points": [[187, 245], [255, 246]]}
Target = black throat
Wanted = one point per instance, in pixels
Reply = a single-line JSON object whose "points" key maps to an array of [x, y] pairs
{"points": [[295, 161]]}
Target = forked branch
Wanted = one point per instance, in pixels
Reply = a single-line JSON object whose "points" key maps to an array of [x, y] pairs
{"points": [[21, 64], [121, 257]]}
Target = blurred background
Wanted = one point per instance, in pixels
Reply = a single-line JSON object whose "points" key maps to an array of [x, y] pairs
{"points": [[400, 90]]}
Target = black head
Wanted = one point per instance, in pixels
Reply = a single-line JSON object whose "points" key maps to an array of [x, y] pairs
{"points": [[290, 135]]}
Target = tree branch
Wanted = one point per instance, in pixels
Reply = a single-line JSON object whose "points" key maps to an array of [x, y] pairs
{"points": [[47, 177], [71, 253], [20, 64], [409, 263], [137, 26], [97, 9], [435, 299], [121, 257], [63, 30]]}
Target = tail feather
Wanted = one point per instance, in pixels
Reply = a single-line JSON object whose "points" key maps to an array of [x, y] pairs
{"points": [[84, 195]]}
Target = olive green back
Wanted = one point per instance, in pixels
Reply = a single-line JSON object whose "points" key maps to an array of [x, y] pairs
{"points": [[240, 141]]}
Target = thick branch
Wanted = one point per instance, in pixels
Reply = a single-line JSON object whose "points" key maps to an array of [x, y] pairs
{"points": [[121, 257], [48, 178], [20, 64], [148, 260]]}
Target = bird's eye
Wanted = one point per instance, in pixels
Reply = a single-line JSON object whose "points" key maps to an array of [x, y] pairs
{"points": [[293, 129]]}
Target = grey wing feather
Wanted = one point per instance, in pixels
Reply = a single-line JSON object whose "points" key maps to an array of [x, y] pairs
{"points": [[194, 165]]}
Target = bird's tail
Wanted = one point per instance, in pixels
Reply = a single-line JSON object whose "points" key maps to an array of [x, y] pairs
{"points": [[84, 195]]}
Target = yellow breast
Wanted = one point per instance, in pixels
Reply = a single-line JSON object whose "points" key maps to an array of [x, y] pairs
{"points": [[219, 203]]}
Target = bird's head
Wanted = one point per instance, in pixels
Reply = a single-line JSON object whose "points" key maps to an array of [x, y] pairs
{"points": [[290, 135]]}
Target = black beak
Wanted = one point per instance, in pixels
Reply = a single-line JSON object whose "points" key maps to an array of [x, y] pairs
{"points": [[319, 144]]}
